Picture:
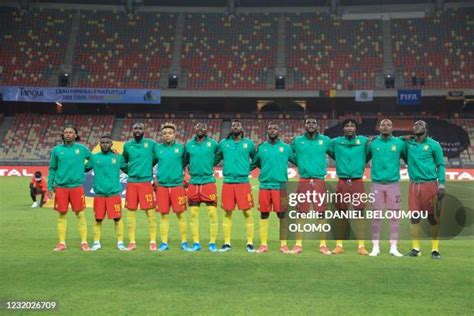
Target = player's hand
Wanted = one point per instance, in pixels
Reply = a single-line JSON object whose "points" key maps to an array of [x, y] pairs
{"points": [[441, 193], [50, 194], [185, 184]]}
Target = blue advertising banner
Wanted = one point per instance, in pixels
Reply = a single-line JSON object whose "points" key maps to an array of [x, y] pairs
{"points": [[409, 97], [80, 95]]}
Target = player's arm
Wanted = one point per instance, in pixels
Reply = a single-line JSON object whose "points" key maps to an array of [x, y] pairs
{"points": [[406, 138], [253, 150], [255, 161], [330, 150], [218, 156], [123, 163], [88, 154], [125, 153], [89, 165], [293, 159], [368, 151], [186, 157], [53, 166], [404, 152], [154, 155], [441, 168], [292, 156]]}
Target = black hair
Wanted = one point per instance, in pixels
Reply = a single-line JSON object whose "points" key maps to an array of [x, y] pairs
{"points": [[347, 121], [311, 118], [168, 125], [273, 123], [38, 174], [106, 136], [426, 125], [75, 130]]}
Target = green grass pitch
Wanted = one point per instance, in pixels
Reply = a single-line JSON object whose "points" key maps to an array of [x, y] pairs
{"points": [[177, 283]]}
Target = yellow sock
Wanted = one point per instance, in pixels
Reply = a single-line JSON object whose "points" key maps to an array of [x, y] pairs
{"points": [[62, 226], [164, 228], [435, 245], [283, 243], [322, 243], [415, 234], [249, 225], [131, 223], [361, 243], [195, 222], [183, 227], [264, 232], [82, 226], [434, 237], [119, 230], [212, 210], [97, 228], [339, 243], [299, 242], [227, 226], [152, 224]]}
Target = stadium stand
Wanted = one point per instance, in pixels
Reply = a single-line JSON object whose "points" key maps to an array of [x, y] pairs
{"points": [[233, 52], [33, 44], [116, 50], [32, 136], [225, 52], [438, 49], [468, 126], [324, 51]]}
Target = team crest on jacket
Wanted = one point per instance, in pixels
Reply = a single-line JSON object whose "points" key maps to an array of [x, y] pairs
{"points": [[357, 142], [77, 151], [245, 146], [176, 150], [208, 144], [320, 142], [114, 161], [145, 145], [426, 147], [394, 147], [281, 149]]}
